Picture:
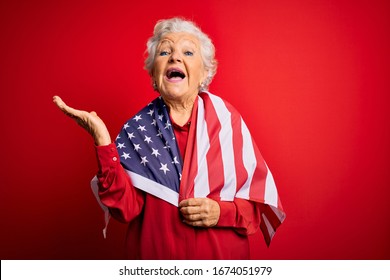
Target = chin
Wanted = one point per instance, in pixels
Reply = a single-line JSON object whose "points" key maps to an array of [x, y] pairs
{"points": [[175, 92]]}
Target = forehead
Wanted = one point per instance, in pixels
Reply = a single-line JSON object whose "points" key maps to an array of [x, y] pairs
{"points": [[180, 38]]}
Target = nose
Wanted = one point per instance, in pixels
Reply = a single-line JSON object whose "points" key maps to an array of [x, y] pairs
{"points": [[175, 57]]}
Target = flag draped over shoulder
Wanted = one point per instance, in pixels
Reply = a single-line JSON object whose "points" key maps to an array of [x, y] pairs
{"points": [[222, 161]]}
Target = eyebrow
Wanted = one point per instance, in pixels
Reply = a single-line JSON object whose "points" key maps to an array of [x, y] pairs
{"points": [[166, 40]]}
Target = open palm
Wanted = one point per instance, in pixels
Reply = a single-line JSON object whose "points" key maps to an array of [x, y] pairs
{"points": [[90, 121]]}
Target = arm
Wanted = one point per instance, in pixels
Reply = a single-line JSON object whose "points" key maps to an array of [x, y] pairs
{"points": [[115, 188], [243, 215], [116, 191]]}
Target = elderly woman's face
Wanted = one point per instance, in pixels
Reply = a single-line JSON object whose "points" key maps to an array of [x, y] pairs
{"points": [[178, 66]]}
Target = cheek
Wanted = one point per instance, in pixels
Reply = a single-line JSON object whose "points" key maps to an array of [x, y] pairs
{"points": [[197, 69], [158, 68]]}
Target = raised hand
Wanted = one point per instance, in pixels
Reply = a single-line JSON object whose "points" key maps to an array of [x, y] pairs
{"points": [[201, 212], [90, 121]]}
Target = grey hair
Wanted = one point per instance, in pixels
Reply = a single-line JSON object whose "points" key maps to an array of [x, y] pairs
{"points": [[174, 25]]}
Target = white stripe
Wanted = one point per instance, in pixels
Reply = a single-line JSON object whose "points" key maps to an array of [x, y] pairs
{"points": [[201, 182], [280, 214], [271, 193], [270, 229], [154, 188], [249, 160], [227, 150]]}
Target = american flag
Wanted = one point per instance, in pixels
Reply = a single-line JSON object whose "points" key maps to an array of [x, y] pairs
{"points": [[221, 161], [149, 152]]}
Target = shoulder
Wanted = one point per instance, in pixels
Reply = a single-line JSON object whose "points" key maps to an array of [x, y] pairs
{"points": [[218, 103], [147, 111]]}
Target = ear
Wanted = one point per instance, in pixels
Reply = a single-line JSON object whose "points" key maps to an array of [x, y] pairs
{"points": [[152, 80], [154, 84]]}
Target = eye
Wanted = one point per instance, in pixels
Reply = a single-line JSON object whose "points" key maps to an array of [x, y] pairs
{"points": [[164, 53], [188, 53]]}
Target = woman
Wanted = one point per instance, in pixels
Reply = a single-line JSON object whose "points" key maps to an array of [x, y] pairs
{"points": [[183, 172]]}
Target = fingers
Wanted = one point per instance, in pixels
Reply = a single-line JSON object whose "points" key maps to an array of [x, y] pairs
{"points": [[192, 206], [58, 101], [191, 212], [81, 117], [89, 121], [191, 202], [65, 108], [200, 211]]}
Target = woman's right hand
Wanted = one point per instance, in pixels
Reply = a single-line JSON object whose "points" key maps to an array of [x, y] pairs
{"points": [[90, 121]]}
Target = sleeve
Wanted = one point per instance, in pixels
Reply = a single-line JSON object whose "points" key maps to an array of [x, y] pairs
{"points": [[124, 201], [242, 215]]}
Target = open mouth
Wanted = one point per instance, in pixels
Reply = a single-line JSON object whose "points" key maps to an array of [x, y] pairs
{"points": [[175, 74]]}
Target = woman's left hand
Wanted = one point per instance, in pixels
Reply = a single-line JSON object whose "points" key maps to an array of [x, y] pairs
{"points": [[200, 212]]}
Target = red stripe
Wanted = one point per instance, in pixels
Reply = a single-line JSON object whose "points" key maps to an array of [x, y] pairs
{"points": [[238, 142], [214, 155], [190, 168], [257, 188], [271, 216], [264, 230]]}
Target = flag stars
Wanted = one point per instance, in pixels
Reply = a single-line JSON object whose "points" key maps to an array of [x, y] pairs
{"points": [[125, 155], [156, 152], [137, 147], [164, 168], [130, 135], [141, 127], [175, 161], [167, 125], [144, 161], [137, 118], [121, 145], [151, 128], [150, 113], [148, 139]]}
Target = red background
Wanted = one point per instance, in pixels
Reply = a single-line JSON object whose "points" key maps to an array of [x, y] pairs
{"points": [[311, 79]]}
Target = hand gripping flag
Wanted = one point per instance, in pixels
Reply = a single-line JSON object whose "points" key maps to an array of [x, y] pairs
{"points": [[222, 161]]}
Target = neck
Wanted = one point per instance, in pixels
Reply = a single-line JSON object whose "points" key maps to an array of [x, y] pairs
{"points": [[180, 111]]}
